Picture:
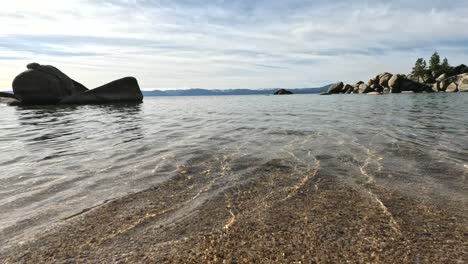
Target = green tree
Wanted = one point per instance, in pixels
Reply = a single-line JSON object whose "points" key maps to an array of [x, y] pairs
{"points": [[445, 67], [419, 68], [434, 63]]}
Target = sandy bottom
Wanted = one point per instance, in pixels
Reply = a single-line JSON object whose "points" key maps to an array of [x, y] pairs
{"points": [[276, 216]]}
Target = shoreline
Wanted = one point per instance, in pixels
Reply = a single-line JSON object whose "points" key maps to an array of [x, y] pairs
{"points": [[319, 214]]}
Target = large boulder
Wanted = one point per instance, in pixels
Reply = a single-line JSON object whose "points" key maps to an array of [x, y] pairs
{"points": [[399, 83], [463, 85], [347, 89], [384, 78], [456, 80], [441, 77], [364, 88], [44, 84], [282, 92], [435, 87], [122, 90], [452, 87], [394, 83], [336, 88], [373, 81]]}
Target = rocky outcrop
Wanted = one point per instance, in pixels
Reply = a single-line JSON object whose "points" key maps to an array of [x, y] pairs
{"points": [[122, 90], [451, 84], [463, 85], [347, 89], [45, 84], [336, 88], [282, 92], [451, 88], [364, 88], [384, 78], [453, 79]]}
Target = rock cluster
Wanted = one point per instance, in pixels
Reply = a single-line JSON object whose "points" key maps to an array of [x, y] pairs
{"points": [[455, 81], [282, 92], [45, 84]]}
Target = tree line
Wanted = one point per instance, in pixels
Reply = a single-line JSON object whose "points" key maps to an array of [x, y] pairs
{"points": [[435, 67]]}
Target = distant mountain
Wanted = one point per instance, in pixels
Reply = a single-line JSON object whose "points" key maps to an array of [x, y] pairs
{"points": [[208, 92]]}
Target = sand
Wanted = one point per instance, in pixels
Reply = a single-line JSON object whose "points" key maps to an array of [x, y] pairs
{"points": [[278, 216]]}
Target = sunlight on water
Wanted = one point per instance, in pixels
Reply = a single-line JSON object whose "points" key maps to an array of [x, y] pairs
{"points": [[58, 161]]}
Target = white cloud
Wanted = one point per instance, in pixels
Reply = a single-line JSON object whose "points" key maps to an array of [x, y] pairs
{"points": [[222, 44]]}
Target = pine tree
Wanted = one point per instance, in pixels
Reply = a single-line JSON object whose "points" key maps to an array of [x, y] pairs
{"points": [[419, 67], [445, 67], [434, 63]]}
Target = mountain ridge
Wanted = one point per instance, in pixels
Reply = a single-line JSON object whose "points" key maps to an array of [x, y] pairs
{"points": [[215, 92]]}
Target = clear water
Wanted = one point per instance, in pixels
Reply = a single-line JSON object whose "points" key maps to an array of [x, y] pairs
{"points": [[57, 161]]}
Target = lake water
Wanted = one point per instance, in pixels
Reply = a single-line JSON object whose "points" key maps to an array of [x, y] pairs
{"points": [[57, 161]]}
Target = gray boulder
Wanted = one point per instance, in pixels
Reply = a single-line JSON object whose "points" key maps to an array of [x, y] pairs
{"points": [[44, 84], [282, 92], [348, 89], [441, 77], [452, 87], [364, 88], [435, 87], [399, 83], [384, 78], [122, 90], [463, 85], [336, 88], [373, 81]]}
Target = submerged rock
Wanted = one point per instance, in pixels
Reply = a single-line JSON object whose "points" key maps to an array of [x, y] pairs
{"points": [[7, 95]]}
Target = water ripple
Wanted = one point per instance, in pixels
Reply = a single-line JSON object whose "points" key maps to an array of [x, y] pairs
{"points": [[58, 161]]}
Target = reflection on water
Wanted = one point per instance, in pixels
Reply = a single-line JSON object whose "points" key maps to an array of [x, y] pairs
{"points": [[59, 160]]}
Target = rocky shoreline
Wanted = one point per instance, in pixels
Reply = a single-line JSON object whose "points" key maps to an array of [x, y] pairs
{"points": [[455, 80]]}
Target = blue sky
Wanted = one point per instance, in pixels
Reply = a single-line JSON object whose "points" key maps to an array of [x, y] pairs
{"points": [[169, 44]]}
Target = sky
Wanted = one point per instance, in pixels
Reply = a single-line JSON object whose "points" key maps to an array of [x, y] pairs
{"points": [[176, 44]]}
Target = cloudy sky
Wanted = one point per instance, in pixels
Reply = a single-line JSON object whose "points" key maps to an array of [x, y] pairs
{"points": [[170, 44]]}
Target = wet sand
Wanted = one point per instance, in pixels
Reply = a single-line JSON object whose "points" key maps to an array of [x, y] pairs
{"points": [[273, 214]]}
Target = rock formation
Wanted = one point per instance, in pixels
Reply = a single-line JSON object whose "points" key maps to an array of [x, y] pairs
{"points": [[282, 92], [122, 90], [45, 84], [455, 81]]}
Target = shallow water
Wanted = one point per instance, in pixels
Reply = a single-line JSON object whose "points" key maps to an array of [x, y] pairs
{"points": [[58, 161]]}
